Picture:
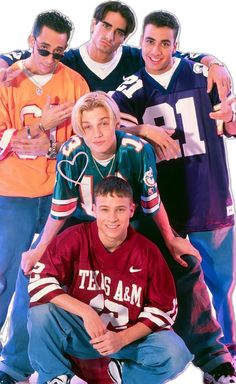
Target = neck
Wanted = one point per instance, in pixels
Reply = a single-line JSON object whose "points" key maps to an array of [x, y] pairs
{"points": [[97, 55], [28, 64]]}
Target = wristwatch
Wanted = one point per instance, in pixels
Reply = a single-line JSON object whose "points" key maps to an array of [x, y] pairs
{"points": [[52, 150]]}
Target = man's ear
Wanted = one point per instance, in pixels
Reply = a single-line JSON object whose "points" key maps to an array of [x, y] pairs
{"points": [[175, 47], [93, 23], [31, 41], [141, 40], [132, 209], [94, 209], [117, 126]]}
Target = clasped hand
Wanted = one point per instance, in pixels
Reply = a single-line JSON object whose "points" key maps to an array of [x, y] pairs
{"points": [[103, 340]]}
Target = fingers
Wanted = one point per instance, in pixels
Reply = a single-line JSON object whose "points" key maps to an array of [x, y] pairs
{"points": [[26, 263], [103, 345], [181, 261], [56, 114], [12, 73], [232, 100], [223, 90], [169, 131], [34, 147], [224, 110], [209, 83], [7, 75], [168, 147], [48, 103], [95, 331], [66, 111], [27, 268], [197, 255], [3, 75], [168, 150]]}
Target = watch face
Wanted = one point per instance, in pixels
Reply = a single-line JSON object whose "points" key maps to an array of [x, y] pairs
{"points": [[52, 151]]}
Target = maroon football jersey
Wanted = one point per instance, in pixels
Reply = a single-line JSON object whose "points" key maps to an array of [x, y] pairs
{"points": [[131, 284]]}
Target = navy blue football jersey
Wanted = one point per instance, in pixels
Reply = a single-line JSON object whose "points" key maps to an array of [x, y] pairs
{"points": [[130, 62], [195, 187]]}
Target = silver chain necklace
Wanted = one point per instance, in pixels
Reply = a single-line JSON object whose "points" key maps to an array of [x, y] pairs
{"points": [[31, 76], [100, 173]]}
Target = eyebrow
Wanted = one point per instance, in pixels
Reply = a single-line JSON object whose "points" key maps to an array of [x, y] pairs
{"points": [[100, 120], [104, 118], [48, 45], [152, 39], [108, 206], [110, 25]]}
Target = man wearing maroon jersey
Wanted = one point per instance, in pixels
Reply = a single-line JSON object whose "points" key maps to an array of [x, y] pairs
{"points": [[102, 289]]}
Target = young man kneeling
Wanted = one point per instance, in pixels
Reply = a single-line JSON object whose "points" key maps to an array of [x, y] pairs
{"points": [[102, 289]]}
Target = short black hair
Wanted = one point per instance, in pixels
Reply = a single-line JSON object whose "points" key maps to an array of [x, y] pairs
{"points": [[116, 6], [54, 20], [162, 19], [113, 185]]}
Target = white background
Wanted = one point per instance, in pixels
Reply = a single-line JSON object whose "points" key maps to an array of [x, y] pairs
{"points": [[206, 26]]}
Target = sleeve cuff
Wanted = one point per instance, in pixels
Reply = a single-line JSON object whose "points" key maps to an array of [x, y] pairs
{"points": [[5, 147]]}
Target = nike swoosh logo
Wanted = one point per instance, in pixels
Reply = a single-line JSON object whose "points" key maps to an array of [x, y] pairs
{"points": [[132, 269]]}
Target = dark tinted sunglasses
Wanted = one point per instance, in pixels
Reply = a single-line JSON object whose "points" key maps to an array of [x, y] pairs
{"points": [[45, 53]]}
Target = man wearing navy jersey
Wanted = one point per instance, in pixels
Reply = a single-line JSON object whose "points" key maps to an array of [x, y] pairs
{"points": [[172, 93], [119, 300]]}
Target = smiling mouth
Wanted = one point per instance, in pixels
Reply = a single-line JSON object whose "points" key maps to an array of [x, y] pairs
{"points": [[110, 226], [155, 60]]}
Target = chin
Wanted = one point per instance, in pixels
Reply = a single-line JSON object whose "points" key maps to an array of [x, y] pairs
{"points": [[114, 235]]}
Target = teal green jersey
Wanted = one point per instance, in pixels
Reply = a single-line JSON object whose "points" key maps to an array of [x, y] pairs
{"points": [[78, 172]]}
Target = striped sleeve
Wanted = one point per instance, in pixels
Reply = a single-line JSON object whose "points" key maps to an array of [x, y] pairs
{"points": [[43, 290], [5, 142], [150, 204], [62, 209], [53, 274], [150, 197], [156, 319], [160, 308]]}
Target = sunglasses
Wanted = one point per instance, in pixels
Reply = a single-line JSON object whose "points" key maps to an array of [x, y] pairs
{"points": [[45, 53]]}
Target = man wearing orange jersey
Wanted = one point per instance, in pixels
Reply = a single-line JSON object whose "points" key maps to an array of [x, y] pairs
{"points": [[34, 120]]}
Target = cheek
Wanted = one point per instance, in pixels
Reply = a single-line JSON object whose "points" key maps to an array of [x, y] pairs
{"points": [[146, 53], [110, 136], [99, 34], [87, 139], [118, 41], [125, 220]]}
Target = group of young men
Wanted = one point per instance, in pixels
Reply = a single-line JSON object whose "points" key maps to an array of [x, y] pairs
{"points": [[120, 294]]}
